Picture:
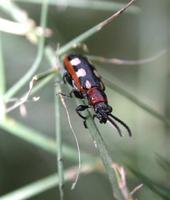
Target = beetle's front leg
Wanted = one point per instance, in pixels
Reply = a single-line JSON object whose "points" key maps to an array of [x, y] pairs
{"points": [[79, 109]]}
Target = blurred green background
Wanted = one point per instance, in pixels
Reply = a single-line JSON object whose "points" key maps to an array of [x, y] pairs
{"points": [[130, 37]]}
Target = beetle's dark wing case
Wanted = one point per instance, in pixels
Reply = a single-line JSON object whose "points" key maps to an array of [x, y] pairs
{"points": [[89, 72]]}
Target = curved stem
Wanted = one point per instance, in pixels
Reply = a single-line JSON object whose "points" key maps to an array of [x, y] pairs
{"points": [[14, 89]]}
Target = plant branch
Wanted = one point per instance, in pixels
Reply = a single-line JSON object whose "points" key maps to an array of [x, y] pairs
{"points": [[105, 157], [2, 71], [118, 61], [84, 4], [38, 139], [47, 183], [2, 83], [59, 148], [12, 91], [117, 87], [84, 36]]}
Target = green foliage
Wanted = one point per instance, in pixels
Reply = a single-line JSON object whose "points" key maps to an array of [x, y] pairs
{"points": [[140, 102]]}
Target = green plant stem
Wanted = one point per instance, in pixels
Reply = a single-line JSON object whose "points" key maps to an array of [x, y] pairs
{"points": [[2, 83], [12, 9], [59, 142], [104, 155], [2, 72], [84, 4], [106, 159], [37, 139], [45, 184], [12, 91], [124, 62], [116, 86], [87, 34], [42, 83]]}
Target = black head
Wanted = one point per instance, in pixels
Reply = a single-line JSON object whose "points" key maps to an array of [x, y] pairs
{"points": [[102, 110], [103, 113]]}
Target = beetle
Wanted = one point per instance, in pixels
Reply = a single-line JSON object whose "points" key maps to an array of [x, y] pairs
{"points": [[87, 84]]}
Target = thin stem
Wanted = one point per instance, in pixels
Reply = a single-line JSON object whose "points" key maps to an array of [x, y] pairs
{"points": [[11, 27], [106, 159], [26, 96], [84, 4], [77, 143], [104, 155], [84, 36], [59, 142], [120, 89], [2, 83], [2, 72], [38, 139], [45, 184], [12, 91], [14, 11], [43, 82], [115, 15], [118, 61]]}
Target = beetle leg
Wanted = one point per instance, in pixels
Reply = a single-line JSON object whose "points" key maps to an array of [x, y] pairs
{"points": [[64, 77], [94, 116], [79, 109], [73, 91], [67, 78], [85, 125], [76, 94], [102, 85], [58, 82], [63, 94]]}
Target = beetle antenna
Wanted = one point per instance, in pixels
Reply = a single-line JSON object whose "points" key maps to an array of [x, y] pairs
{"points": [[115, 125], [122, 123]]}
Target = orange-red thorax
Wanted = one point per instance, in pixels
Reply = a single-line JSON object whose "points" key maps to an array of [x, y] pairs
{"points": [[95, 95]]}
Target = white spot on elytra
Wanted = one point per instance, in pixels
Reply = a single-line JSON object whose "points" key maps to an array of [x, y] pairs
{"points": [[75, 61], [88, 84], [81, 72]]}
